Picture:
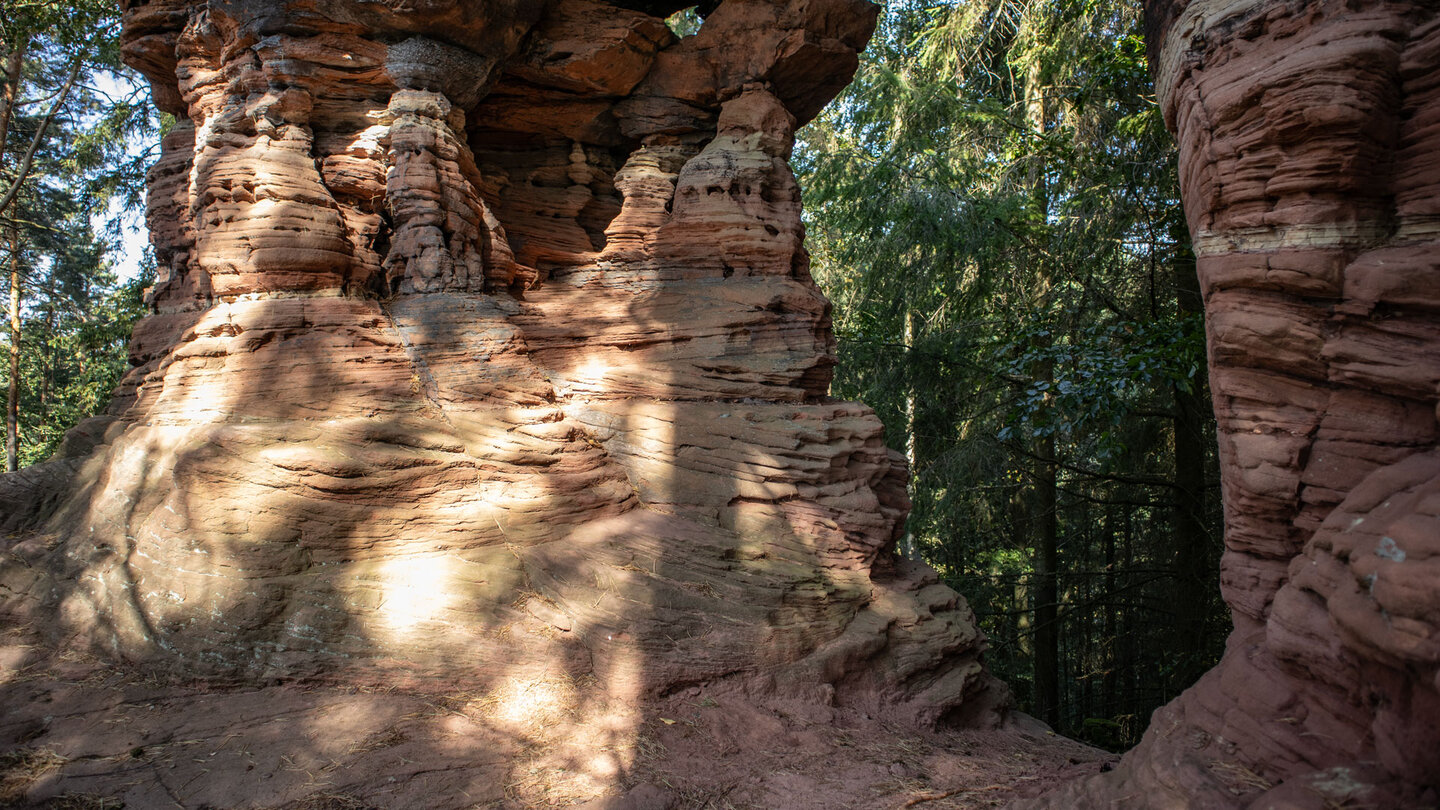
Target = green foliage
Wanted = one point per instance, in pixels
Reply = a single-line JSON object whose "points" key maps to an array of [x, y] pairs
{"points": [[75, 340], [67, 154], [1101, 375], [993, 209], [684, 23], [87, 153]]}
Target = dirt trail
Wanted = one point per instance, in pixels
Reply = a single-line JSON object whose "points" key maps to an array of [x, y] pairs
{"points": [[78, 733]]}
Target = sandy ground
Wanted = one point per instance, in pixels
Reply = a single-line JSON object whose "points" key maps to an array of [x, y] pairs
{"points": [[81, 734]]}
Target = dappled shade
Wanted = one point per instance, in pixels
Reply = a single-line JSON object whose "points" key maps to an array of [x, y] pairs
{"points": [[484, 354]]}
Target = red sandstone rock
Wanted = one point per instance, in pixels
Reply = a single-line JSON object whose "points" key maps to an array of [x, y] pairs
{"points": [[1308, 154], [484, 349]]}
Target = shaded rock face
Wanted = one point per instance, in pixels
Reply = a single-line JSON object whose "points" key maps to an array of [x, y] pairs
{"points": [[1310, 166], [484, 346]]}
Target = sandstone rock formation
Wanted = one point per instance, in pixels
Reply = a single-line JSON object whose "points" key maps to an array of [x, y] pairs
{"points": [[1309, 139], [484, 347]]}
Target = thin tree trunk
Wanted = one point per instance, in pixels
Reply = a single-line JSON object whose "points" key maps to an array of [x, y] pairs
{"points": [[1128, 629], [1045, 517], [14, 60], [1024, 590], [47, 377], [12, 400], [1085, 666], [908, 544], [1047, 590], [28, 159], [1191, 555], [1111, 615]]}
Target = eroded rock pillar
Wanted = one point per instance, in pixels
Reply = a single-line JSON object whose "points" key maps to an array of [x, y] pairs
{"points": [[485, 351], [1309, 140]]}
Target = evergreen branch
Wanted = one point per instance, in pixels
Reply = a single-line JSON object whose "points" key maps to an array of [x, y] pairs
{"points": [[28, 160]]}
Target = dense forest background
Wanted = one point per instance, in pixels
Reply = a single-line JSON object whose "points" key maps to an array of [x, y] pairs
{"points": [[993, 208], [73, 135]]}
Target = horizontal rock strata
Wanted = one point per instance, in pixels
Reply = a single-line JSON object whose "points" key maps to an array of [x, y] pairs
{"points": [[484, 347], [1310, 163]]}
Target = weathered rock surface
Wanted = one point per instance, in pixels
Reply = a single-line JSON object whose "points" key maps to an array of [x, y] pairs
{"points": [[484, 350], [1310, 164]]}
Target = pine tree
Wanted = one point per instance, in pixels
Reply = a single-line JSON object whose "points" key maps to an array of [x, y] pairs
{"points": [[994, 210], [63, 159]]}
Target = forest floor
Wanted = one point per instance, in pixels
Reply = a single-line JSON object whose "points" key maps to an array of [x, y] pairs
{"points": [[77, 733]]}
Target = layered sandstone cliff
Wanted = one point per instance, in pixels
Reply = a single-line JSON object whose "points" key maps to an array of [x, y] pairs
{"points": [[1309, 137], [484, 347]]}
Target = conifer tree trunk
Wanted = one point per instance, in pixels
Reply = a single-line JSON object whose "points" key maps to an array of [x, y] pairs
{"points": [[47, 375], [1047, 591], [1190, 537], [13, 62], [1043, 504], [908, 544], [1112, 611], [12, 399]]}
